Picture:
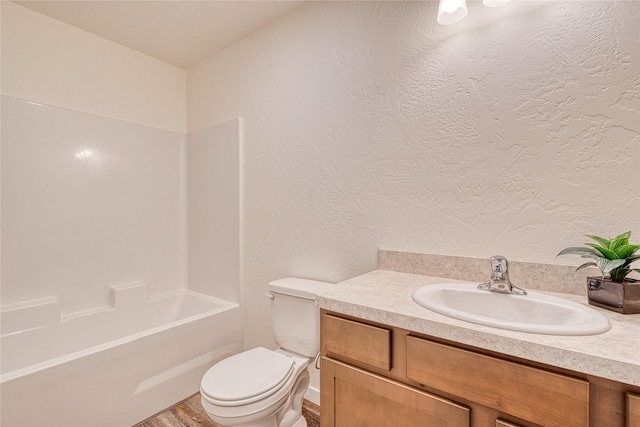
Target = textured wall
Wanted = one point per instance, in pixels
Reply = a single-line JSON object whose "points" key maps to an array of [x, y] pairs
{"points": [[368, 126]]}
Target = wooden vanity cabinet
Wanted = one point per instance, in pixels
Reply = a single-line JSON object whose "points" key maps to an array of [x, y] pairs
{"points": [[374, 375]]}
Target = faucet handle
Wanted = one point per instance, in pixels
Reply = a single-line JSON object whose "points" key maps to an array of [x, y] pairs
{"points": [[500, 281], [499, 264]]}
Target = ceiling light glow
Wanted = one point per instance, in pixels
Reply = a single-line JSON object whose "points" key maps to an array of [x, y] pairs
{"points": [[495, 3], [451, 11]]}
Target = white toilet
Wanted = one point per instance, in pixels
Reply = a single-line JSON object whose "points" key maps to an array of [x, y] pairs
{"points": [[265, 388]]}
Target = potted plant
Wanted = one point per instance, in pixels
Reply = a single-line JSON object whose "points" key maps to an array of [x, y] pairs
{"points": [[613, 290]]}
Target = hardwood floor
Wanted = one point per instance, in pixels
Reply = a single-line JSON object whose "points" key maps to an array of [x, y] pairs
{"points": [[189, 413]]}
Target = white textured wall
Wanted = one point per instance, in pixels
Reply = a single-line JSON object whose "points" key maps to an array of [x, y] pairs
{"points": [[368, 126], [48, 61]]}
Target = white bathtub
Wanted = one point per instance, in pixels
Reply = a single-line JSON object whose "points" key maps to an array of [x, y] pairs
{"points": [[114, 366]]}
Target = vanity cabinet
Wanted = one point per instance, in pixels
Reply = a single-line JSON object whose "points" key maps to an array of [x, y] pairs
{"points": [[375, 375]]}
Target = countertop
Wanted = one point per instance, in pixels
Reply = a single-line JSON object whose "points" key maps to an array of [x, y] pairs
{"points": [[385, 297]]}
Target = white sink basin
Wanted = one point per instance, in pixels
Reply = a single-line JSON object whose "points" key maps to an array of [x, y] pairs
{"points": [[535, 312]]}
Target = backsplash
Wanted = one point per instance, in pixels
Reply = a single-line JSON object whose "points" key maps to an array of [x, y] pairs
{"points": [[528, 275]]}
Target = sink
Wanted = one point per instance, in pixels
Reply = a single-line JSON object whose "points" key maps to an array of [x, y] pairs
{"points": [[535, 312]]}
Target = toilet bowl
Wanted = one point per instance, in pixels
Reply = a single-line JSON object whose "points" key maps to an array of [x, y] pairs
{"points": [[252, 388], [265, 388]]}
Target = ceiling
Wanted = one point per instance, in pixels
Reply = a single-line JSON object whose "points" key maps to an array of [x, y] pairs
{"points": [[179, 32]]}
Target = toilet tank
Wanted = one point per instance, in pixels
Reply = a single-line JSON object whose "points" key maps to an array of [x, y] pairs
{"points": [[295, 316]]}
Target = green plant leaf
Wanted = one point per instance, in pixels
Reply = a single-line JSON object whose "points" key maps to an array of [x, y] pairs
{"points": [[632, 259], [608, 253], [587, 264], [604, 242], [606, 265], [579, 250], [625, 235], [625, 251], [618, 274], [617, 242]]}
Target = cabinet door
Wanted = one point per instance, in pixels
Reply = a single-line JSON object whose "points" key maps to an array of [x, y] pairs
{"points": [[633, 410], [351, 397]]}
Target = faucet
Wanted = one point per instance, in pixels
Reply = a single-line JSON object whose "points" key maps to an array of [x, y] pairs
{"points": [[500, 278]]}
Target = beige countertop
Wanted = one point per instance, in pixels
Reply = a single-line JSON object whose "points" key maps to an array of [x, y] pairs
{"points": [[385, 297]]}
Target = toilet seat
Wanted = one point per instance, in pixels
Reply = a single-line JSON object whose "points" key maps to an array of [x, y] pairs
{"points": [[247, 377]]}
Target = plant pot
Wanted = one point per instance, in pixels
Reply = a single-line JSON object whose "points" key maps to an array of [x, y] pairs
{"points": [[620, 297]]}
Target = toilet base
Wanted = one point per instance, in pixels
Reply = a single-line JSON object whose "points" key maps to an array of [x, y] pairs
{"points": [[293, 415], [301, 423], [266, 418], [293, 420]]}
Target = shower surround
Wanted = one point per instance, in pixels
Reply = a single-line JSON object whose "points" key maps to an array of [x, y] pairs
{"points": [[97, 312]]}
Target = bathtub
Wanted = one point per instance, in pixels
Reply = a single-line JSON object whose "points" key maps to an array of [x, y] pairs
{"points": [[114, 366]]}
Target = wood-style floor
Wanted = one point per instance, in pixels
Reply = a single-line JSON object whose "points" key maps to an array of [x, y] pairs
{"points": [[189, 413]]}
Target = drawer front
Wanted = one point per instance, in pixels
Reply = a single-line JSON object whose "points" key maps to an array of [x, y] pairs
{"points": [[356, 342], [351, 397], [528, 393]]}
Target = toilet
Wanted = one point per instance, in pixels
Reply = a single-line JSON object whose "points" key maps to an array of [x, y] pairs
{"points": [[265, 388]]}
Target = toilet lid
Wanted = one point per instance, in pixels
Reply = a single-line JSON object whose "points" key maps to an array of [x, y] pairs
{"points": [[246, 375]]}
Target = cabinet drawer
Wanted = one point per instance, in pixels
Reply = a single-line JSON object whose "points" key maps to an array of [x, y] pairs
{"points": [[528, 393], [357, 342], [351, 397]]}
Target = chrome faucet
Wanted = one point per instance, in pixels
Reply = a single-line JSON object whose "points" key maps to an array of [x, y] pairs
{"points": [[500, 278]]}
